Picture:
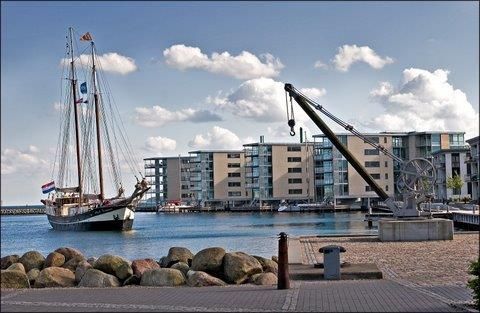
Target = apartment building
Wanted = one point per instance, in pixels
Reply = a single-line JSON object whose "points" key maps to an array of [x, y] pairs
{"points": [[450, 162], [473, 165], [335, 178], [169, 180], [268, 173], [217, 177], [279, 171]]}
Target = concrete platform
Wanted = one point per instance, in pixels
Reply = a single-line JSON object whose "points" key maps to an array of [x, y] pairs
{"points": [[417, 229], [347, 271]]}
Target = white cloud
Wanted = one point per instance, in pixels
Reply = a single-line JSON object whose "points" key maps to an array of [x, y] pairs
{"points": [[25, 162], [109, 62], [313, 93], [320, 65], [243, 66], [261, 99], [347, 55], [158, 116], [159, 145], [218, 138], [424, 101]]}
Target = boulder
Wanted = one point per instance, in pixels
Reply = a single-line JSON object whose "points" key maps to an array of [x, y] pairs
{"points": [[265, 279], [132, 280], [81, 269], [96, 278], [141, 265], [179, 254], [32, 259], [73, 263], [17, 267], [182, 267], [69, 253], [239, 266], [114, 265], [163, 262], [55, 259], [9, 260], [275, 258], [201, 279], [209, 260], [267, 264], [91, 260], [162, 277], [55, 277], [14, 279], [32, 275]]}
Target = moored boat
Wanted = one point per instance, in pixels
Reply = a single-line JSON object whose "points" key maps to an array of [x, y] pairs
{"points": [[93, 126]]}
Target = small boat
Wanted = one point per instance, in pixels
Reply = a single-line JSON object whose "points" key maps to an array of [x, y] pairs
{"points": [[91, 134]]}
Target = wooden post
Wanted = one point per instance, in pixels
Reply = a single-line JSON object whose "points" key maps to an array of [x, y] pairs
{"points": [[283, 275]]}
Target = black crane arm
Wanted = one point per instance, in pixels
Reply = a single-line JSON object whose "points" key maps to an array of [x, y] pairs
{"points": [[304, 104]]}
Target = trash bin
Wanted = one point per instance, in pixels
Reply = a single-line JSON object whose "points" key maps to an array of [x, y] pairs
{"points": [[331, 261]]}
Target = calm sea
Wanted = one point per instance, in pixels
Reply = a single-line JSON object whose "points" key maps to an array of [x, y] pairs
{"points": [[153, 234]]}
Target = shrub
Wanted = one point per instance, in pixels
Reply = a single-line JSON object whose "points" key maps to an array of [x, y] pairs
{"points": [[474, 283]]}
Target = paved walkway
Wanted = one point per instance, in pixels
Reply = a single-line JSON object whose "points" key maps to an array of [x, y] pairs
{"points": [[383, 295]]}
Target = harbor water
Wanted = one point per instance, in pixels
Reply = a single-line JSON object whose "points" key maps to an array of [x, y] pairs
{"points": [[153, 234]]}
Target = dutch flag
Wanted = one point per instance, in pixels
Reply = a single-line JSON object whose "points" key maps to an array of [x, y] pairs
{"points": [[48, 187]]}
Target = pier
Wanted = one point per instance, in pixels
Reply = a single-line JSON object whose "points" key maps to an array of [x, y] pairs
{"points": [[466, 219], [21, 210]]}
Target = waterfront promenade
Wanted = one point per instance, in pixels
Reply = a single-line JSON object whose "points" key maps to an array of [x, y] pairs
{"points": [[418, 277]]}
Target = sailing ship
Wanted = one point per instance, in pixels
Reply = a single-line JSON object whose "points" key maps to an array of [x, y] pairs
{"points": [[89, 118]]}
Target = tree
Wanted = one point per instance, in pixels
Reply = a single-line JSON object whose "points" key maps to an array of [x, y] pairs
{"points": [[455, 183], [474, 283]]}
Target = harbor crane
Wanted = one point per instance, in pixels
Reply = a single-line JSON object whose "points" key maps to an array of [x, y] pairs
{"points": [[417, 176]]}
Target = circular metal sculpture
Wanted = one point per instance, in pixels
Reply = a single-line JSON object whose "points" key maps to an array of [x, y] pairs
{"points": [[417, 175]]}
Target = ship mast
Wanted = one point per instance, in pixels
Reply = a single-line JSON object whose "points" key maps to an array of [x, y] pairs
{"points": [[97, 121], [77, 131]]}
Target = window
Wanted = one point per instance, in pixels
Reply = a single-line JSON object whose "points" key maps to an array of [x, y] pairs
{"points": [[294, 191], [375, 176], [386, 175], [384, 139], [294, 180], [368, 188], [234, 193], [386, 163], [236, 174], [294, 169], [234, 184], [386, 187], [456, 140], [372, 164], [233, 155], [294, 148], [233, 165], [294, 159], [371, 152], [374, 139]]}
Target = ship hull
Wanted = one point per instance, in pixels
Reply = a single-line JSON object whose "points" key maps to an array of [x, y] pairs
{"points": [[98, 219]]}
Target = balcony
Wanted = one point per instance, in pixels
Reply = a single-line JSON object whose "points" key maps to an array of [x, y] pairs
{"points": [[195, 178], [319, 170], [149, 165], [251, 153], [250, 175], [471, 178], [320, 157], [251, 164], [253, 185], [471, 160]]}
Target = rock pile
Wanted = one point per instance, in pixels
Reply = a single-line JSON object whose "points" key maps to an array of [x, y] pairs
{"points": [[68, 267]]}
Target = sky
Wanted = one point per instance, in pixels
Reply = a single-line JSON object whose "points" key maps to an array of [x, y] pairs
{"points": [[189, 76]]}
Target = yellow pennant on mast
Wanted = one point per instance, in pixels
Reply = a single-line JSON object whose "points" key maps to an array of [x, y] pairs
{"points": [[86, 37]]}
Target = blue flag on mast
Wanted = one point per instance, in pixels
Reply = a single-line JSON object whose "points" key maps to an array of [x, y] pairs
{"points": [[83, 87]]}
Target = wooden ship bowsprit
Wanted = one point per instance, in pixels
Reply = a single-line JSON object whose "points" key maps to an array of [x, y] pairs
{"points": [[77, 201]]}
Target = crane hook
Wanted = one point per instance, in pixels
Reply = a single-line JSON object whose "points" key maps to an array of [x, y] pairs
{"points": [[291, 123]]}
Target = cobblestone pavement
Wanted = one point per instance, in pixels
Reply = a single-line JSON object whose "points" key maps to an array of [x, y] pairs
{"points": [[320, 296]]}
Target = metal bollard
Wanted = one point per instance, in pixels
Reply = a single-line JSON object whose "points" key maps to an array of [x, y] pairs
{"points": [[283, 275]]}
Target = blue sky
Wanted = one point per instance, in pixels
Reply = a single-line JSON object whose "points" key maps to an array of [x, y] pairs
{"points": [[209, 75]]}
